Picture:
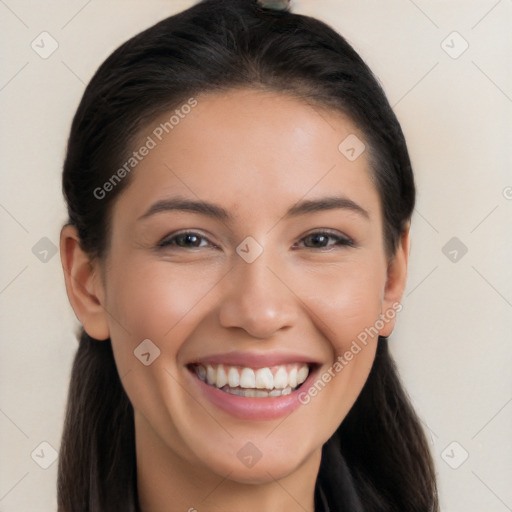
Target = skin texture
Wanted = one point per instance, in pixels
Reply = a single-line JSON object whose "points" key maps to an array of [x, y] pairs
{"points": [[256, 154]]}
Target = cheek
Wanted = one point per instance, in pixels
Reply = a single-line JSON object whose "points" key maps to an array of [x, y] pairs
{"points": [[150, 300], [154, 302], [346, 303]]}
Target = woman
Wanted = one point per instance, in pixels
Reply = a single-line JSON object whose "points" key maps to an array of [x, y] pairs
{"points": [[239, 195]]}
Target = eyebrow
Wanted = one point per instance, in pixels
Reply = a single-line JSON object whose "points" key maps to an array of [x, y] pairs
{"points": [[219, 213]]}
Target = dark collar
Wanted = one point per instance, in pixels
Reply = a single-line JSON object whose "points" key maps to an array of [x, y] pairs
{"points": [[324, 505]]}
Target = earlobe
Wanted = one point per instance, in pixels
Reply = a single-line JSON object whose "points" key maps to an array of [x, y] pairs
{"points": [[395, 283], [83, 285]]}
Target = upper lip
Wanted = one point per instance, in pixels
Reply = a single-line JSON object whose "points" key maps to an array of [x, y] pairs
{"points": [[255, 359]]}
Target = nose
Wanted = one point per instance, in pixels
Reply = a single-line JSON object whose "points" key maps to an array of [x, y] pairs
{"points": [[258, 298]]}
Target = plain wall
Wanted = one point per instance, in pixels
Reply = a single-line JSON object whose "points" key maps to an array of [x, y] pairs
{"points": [[452, 342]]}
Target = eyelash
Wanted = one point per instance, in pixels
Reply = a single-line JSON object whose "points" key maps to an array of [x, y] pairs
{"points": [[340, 240]]}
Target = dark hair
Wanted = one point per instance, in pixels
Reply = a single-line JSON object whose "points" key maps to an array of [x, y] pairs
{"points": [[378, 459]]}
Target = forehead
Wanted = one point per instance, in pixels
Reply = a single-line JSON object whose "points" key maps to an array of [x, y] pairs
{"points": [[249, 150]]}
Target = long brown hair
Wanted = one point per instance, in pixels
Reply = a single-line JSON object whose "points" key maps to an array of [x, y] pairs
{"points": [[378, 459]]}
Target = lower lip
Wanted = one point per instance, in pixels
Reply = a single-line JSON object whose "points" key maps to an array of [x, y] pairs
{"points": [[253, 408]]}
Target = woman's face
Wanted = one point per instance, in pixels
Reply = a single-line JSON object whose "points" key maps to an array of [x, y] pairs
{"points": [[282, 271]]}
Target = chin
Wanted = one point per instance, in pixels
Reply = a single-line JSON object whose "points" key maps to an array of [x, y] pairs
{"points": [[266, 469]]}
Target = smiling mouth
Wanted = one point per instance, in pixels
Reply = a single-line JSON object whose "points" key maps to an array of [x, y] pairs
{"points": [[253, 382]]}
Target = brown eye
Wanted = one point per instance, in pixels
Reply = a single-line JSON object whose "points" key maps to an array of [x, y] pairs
{"points": [[185, 240], [320, 240]]}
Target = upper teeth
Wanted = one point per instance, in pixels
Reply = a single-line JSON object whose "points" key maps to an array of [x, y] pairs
{"points": [[277, 377]]}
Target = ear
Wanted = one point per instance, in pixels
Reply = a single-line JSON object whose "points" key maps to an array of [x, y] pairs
{"points": [[395, 283], [83, 285]]}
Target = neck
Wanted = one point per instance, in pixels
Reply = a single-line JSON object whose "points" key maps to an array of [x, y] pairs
{"points": [[167, 482]]}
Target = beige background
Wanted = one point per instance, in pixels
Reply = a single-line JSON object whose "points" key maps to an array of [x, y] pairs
{"points": [[452, 342]]}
